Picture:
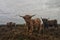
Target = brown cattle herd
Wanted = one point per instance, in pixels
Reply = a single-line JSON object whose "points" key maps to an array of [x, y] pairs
{"points": [[32, 29], [35, 24]]}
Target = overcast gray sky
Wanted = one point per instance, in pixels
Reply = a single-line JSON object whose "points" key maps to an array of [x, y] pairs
{"points": [[42, 8]]}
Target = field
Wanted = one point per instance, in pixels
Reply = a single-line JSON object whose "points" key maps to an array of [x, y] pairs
{"points": [[20, 33]]}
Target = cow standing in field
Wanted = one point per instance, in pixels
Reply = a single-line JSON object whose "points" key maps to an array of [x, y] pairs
{"points": [[11, 24], [32, 23], [53, 23], [50, 23]]}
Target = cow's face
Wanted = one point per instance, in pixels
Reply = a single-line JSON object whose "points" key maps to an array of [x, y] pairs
{"points": [[27, 18], [44, 20]]}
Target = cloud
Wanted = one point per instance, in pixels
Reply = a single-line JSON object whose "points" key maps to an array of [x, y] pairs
{"points": [[53, 3], [42, 8]]}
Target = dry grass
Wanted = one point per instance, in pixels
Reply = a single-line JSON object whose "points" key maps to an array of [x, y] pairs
{"points": [[20, 33]]}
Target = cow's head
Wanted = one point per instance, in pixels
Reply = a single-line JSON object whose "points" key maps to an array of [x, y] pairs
{"points": [[44, 19], [27, 18]]}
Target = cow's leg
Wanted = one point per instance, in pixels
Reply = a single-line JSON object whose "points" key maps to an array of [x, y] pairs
{"points": [[56, 26], [34, 29], [39, 28], [30, 30]]}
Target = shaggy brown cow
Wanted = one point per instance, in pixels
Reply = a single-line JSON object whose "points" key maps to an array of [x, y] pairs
{"points": [[11, 24], [32, 23]]}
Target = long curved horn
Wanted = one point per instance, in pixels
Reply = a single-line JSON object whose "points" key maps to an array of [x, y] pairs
{"points": [[32, 15], [20, 16]]}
